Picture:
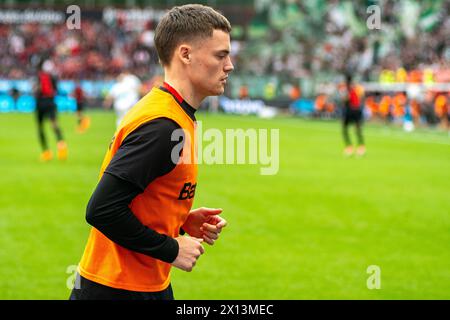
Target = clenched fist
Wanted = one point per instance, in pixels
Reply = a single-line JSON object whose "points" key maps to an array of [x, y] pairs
{"points": [[190, 249]]}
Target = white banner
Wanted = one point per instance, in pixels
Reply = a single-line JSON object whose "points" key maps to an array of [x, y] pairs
{"points": [[8, 16]]}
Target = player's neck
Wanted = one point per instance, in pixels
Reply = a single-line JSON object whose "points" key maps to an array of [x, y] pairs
{"points": [[186, 90]]}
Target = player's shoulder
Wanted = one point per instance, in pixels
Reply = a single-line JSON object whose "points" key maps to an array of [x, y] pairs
{"points": [[159, 127]]}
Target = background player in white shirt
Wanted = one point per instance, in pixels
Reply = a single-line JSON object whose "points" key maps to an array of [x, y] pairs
{"points": [[123, 95]]}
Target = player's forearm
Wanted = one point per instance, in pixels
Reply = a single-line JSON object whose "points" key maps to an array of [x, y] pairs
{"points": [[108, 211]]}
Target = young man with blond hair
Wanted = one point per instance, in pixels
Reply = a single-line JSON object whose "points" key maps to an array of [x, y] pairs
{"points": [[143, 199]]}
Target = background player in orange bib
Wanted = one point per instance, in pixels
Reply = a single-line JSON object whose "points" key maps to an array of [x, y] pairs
{"points": [[143, 199]]}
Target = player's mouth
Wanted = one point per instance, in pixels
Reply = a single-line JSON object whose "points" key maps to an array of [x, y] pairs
{"points": [[224, 80]]}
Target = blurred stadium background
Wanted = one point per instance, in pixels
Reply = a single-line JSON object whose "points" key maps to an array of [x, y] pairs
{"points": [[309, 232]]}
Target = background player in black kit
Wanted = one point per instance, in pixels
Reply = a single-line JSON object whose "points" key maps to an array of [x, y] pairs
{"points": [[83, 120], [45, 92], [352, 114]]}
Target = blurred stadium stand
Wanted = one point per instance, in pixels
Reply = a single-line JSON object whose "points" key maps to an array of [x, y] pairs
{"points": [[312, 45]]}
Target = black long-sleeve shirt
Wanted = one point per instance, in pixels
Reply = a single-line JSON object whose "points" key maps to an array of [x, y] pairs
{"points": [[144, 155]]}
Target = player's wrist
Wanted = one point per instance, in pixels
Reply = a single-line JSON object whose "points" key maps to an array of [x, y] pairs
{"points": [[173, 249]]}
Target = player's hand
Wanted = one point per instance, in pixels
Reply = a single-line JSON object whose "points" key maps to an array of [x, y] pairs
{"points": [[205, 223], [190, 249]]}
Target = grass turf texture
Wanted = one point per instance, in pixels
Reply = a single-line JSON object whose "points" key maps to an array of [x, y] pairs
{"points": [[309, 232]]}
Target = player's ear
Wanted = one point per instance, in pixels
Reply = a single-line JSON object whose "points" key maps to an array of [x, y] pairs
{"points": [[184, 53]]}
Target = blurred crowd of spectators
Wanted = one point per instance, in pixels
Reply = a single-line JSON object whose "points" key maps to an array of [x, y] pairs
{"points": [[324, 40], [403, 43], [309, 41], [96, 51]]}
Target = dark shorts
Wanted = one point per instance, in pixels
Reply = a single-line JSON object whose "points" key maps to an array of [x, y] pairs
{"points": [[45, 108], [89, 290], [352, 116], [80, 106]]}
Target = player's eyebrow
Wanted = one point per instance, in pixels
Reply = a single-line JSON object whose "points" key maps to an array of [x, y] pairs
{"points": [[223, 51]]}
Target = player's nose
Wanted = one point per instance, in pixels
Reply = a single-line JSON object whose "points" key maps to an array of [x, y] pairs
{"points": [[228, 65]]}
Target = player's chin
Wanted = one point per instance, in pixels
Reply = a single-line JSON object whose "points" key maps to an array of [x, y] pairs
{"points": [[216, 92], [220, 89]]}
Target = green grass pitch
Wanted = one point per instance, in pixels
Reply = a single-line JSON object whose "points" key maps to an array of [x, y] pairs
{"points": [[308, 232]]}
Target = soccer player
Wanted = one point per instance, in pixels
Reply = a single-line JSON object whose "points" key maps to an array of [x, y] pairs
{"points": [[83, 120], [442, 110], [142, 203], [123, 95], [45, 91], [352, 113]]}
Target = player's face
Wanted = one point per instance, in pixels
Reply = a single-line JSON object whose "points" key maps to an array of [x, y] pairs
{"points": [[211, 64]]}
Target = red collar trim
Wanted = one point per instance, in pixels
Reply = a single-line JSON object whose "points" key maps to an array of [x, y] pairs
{"points": [[173, 92]]}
